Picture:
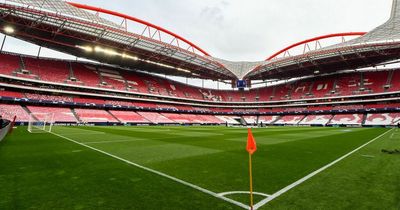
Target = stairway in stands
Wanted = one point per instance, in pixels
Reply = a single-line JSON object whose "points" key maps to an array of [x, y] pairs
{"points": [[108, 111], [76, 115], [364, 119]]}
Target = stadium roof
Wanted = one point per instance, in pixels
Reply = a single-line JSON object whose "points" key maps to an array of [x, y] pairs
{"points": [[71, 28]]}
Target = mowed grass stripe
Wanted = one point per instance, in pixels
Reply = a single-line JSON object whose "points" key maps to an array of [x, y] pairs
{"points": [[40, 171], [276, 165], [213, 161]]}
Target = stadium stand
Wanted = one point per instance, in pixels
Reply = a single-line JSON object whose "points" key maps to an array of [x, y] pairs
{"points": [[322, 87], [316, 120], [88, 100], [112, 79], [155, 117], [10, 64], [393, 81], [250, 119], [95, 115], [47, 70], [107, 79], [228, 119], [383, 119], [129, 117], [346, 119], [268, 119], [301, 90], [210, 119], [290, 119], [179, 118], [60, 114], [42, 97], [374, 82], [84, 75], [11, 94], [8, 111]]}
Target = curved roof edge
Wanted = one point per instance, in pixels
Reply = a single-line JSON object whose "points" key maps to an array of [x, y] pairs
{"points": [[315, 39], [148, 24], [388, 32]]}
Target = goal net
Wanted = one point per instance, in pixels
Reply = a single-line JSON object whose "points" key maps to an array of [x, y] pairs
{"points": [[40, 122]]}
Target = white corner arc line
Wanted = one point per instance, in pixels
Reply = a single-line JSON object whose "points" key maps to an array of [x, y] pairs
{"points": [[242, 192], [294, 184], [158, 173]]}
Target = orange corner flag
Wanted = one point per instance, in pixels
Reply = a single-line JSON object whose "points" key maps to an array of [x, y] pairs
{"points": [[251, 142]]}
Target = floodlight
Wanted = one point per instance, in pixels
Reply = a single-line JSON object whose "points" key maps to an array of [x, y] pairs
{"points": [[9, 29]]}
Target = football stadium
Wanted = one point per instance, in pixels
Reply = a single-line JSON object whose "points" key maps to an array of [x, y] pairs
{"points": [[139, 117]]}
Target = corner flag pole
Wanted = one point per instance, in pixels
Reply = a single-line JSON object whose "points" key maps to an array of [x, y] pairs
{"points": [[251, 148], [251, 182]]}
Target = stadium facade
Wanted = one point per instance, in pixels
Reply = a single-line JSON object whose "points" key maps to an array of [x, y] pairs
{"points": [[121, 88]]}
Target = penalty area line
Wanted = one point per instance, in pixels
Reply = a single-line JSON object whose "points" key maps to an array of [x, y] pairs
{"points": [[158, 173], [298, 182]]}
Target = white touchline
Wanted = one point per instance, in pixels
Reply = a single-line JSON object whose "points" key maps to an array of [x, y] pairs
{"points": [[159, 173], [294, 184]]}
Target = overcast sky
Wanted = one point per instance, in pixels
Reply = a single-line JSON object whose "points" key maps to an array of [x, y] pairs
{"points": [[253, 29]]}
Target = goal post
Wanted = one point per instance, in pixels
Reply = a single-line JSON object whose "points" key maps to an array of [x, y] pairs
{"points": [[40, 122]]}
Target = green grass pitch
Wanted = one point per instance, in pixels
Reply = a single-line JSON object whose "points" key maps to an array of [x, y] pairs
{"points": [[189, 168]]}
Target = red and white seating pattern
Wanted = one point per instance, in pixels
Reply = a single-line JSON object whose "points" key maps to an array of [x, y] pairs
{"points": [[48, 97], [383, 119], [86, 75], [395, 84], [210, 119], [346, 119], [60, 114], [316, 120], [300, 90], [228, 119], [11, 94], [129, 117], [88, 100], [8, 111], [48, 70], [179, 118], [250, 119], [191, 118], [322, 87], [155, 117], [94, 115], [9, 64], [119, 103], [267, 119], [290, 119], [374, 82], [110, 78]]}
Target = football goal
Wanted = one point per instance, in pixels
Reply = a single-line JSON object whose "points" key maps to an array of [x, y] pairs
{"points": [[40, 122]]}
